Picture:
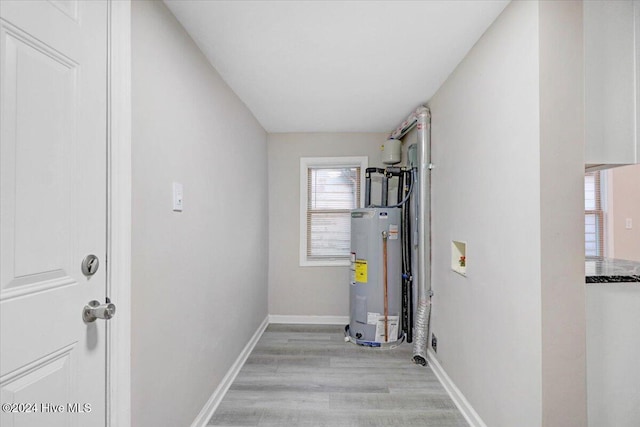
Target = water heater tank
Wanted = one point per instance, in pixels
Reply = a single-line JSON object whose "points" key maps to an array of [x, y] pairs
{"points": [[391, 152], [366, 290]]}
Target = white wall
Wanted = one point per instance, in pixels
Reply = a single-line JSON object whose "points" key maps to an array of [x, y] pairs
{"points": [[623, 203], [199, 287], [295, 290], [494, 136], [486, 192], [562, 149]]}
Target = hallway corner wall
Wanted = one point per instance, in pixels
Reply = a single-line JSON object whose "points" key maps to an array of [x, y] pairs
{"points": [[199, 277]]}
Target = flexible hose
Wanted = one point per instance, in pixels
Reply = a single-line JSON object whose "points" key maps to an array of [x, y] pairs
{"points": [[421, 330]]}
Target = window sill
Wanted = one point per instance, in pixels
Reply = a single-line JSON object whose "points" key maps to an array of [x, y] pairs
{"points": [[324, 263]]}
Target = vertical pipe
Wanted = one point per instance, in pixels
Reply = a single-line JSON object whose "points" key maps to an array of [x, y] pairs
{"points": [[424, 254], [400, 187], [405, 273], [386, 287], [385, 190], [403, 184], [407, 245], [367, 190]]}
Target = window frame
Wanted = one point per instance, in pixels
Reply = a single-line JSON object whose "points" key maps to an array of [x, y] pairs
{"points": [[325, 162]]}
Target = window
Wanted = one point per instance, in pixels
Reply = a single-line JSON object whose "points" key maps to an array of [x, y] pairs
{"points": [[330, 187], [593, 215]]}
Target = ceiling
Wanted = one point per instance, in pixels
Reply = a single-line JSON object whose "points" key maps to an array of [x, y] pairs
{"points": [[335, 66]]}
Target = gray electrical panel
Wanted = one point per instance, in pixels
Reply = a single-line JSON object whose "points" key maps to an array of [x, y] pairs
{"points": [[371, 230], [412, 156]]}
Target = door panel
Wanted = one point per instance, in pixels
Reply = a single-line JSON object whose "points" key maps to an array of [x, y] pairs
{"points": [[52, 375], [68, 7], [53, 85], [38, 179]]}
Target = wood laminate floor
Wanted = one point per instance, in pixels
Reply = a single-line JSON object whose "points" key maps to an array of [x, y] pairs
{"points": [[306, 375]]}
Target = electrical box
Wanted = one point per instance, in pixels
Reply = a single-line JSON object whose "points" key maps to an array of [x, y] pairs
{"points": [[412, 156]]}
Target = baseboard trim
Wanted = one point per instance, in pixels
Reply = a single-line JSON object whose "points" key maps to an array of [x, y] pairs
{"points": [[309, 320], [458, 398], [212, 404]]}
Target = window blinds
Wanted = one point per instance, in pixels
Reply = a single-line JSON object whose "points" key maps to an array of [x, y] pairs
{"points": [[593, 215], [331, 194]]}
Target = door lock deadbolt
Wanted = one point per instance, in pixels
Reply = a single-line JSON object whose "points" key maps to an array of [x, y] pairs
{"points": [[90, 265]]}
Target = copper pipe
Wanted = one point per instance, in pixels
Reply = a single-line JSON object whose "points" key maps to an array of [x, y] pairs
{"points": [[386, 293]]}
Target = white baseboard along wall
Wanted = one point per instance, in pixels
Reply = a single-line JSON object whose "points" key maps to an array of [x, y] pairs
{"points": [[214, 401], [456, 395]]}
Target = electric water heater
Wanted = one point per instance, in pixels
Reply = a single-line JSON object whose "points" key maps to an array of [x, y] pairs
{"points": [[376, 276]]}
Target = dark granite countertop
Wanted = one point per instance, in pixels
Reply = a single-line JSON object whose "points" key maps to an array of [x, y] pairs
{"points": [[611, 270]]}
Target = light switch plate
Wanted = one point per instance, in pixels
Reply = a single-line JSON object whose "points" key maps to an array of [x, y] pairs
{"points": [[177, 197], [628, 223]]}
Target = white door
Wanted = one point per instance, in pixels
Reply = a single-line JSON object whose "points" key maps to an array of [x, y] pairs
{"points": [[53, 86]]}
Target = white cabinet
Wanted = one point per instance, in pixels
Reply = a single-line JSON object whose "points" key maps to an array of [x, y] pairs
{"points": [[613, 351], [611, 81]]}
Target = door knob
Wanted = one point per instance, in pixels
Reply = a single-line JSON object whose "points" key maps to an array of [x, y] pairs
{"points": [[94, 310]]}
